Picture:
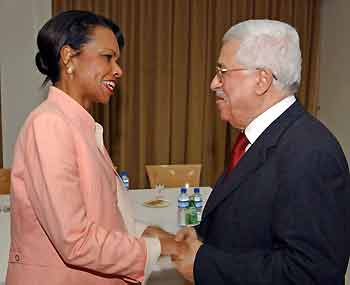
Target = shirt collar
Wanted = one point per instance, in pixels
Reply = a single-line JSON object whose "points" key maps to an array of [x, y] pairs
{"points": [[260, 123]]}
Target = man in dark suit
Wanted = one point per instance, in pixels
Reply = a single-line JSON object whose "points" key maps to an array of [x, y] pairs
{"points": [[280, 215]]}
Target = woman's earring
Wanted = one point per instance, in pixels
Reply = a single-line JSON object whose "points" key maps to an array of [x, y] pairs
{"points": [[70, 70]]}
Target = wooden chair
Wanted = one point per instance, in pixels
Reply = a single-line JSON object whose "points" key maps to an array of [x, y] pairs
{"points": [[174, 175], [5, 180]]}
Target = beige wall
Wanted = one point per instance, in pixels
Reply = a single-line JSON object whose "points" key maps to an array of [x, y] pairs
{"points": [[334, 98], [20, 21], [335, 72]]}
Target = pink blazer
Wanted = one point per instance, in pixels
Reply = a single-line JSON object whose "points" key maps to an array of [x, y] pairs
{"points": [[65, 225]]}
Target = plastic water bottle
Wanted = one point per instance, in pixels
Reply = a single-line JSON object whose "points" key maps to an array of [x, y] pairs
{"points": [[198, 202], [125, 178], [182, 205]]}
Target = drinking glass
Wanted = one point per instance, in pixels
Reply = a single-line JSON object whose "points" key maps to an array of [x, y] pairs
{"points": [[5, 203], [159, 191]]}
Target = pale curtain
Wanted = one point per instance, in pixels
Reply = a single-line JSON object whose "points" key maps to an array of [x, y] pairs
{"points": [[164, 112]]}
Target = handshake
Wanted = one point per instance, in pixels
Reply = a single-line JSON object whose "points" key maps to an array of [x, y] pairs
{"points": [[182, 247]]}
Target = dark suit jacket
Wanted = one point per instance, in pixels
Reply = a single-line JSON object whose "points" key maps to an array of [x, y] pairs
{"points": [[282, 215]]}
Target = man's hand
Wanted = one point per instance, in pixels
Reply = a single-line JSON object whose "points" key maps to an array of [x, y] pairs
{"points": [[186, 233], [184, 260], [171, 247]]}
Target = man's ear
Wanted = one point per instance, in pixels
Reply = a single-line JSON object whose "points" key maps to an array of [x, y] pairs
{"points": [[264, 81]]}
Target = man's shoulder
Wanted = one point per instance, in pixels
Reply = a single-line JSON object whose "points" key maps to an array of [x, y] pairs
{"points": [[308, 137], [309, 130]]}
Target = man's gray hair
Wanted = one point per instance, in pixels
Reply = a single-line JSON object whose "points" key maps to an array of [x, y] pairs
{"points": [[269, 44]]}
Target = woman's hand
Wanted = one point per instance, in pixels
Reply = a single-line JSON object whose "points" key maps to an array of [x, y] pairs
{"points": [[157, 232]]}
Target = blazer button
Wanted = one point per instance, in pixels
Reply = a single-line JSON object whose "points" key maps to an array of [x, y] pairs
{"points": [[17, 257]]}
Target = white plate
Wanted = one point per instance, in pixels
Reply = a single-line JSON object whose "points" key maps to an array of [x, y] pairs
{"points": [[156, 203]]}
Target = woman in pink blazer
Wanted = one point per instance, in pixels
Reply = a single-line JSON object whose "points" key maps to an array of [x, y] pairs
{"points": [[66, 226]]}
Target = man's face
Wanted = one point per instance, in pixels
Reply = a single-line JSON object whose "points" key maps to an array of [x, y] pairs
{"points": [[235, 88]]}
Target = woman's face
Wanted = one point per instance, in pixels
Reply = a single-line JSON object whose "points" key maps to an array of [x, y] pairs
{"points": [[96, 69]]}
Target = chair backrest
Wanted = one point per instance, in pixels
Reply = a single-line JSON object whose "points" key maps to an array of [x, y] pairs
{"points": [[5, 180], [174, 175]]}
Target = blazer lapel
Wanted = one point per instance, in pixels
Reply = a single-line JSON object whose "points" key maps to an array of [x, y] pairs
{"points": [[253, 159], [229, 183]]}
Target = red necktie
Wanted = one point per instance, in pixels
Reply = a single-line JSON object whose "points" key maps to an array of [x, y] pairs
{"points": [[238, 150]]}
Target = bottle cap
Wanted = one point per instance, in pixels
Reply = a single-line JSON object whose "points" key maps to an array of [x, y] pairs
{"points": [[196, 190], [183, 190]]}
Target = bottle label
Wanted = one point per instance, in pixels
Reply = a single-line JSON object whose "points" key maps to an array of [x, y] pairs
{"points": [[183, 204], [126, 182]]}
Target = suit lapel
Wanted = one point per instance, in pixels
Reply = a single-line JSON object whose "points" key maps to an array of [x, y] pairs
{"points": [[229, 183], [253, 159]]}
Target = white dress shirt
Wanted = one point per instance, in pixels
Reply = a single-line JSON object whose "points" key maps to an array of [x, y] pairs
{"points": [[261, 122]]}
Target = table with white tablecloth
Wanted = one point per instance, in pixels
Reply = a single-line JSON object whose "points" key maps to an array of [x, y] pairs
{"points": [[164, 217], [4, 235], [4, 243]]}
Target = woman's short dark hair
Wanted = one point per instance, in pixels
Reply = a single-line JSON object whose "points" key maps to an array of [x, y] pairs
{"points": [[72, 28]]}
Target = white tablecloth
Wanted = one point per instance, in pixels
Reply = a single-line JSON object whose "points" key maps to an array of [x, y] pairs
{"points": [[4, 243], [164, 217], [4, 236]]}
